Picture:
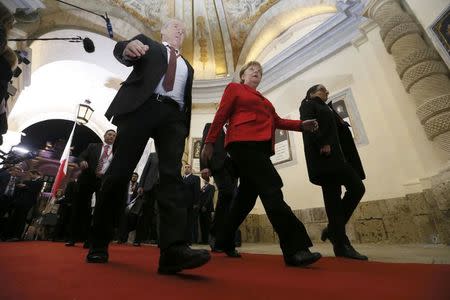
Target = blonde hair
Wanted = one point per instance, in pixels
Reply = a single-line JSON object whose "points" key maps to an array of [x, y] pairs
{"points": [[248, 65], [167, 22]]}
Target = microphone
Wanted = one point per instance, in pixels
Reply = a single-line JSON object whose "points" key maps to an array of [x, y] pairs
{"points": [[88, 45], [109, 26]]}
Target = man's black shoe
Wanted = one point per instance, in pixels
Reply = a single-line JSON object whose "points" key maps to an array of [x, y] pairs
{"points": [[348, 251], [302, 258], [177, 258], [69, 244], [99, 256], [232, 253]]}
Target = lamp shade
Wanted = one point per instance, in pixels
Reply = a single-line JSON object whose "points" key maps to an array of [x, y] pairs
{"points": [[84, 112]]}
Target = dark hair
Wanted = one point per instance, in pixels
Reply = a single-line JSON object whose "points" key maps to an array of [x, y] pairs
{"points": [[311, 90], [135, 173], [246, 66]]}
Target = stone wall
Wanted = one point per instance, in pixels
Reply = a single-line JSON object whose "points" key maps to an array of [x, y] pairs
{"points": [[415, 218]]}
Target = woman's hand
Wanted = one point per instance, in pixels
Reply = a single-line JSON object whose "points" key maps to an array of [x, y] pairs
{"points": [[207, 152], [309, 125], [325, 150]]}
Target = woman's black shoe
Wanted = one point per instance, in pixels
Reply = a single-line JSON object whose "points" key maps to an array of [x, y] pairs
{"points": [[232, 253], [302, 258], [348, 251]]}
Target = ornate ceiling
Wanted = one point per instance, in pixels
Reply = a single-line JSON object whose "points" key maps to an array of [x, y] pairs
{"points": [[221, 34]]}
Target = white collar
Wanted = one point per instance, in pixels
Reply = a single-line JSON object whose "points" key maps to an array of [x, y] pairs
{"points": [[168, 45]]}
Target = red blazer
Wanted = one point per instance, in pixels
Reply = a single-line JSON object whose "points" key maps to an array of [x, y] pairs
{"points": [[250, 117]]}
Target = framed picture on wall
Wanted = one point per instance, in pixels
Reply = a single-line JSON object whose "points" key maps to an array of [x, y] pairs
{"points": [[439, 32], [283, 151], [196, 143], [344, 104]]}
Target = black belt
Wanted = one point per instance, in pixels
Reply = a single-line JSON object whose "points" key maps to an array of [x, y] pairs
{"points": [[164, 99]]}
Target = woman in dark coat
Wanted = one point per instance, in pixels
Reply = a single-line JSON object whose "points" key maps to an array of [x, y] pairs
{"points": [[333, 162]]}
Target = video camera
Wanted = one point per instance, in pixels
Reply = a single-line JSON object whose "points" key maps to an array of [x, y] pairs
{"points": [[15, 155]]}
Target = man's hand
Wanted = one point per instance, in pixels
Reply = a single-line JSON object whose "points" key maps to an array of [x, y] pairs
{"points": [[309, 125], [207, 152], [140, 191], [325, 150], [84, 165], [135, 49]]}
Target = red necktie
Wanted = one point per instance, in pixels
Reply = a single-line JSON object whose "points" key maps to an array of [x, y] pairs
{"points": [[102, 159], [171, 70]]}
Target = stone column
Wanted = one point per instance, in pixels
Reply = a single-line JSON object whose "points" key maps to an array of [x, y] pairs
{"points": [[425, 77], [421, 69]]}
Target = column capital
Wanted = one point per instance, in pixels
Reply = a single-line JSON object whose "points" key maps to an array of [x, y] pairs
{"points": [[374, 5]]}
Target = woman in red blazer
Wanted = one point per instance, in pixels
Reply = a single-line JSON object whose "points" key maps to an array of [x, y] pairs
{"points": [[252, 121]]}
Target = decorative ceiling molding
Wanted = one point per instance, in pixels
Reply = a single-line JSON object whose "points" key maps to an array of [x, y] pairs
{"points": [[329, 38]]}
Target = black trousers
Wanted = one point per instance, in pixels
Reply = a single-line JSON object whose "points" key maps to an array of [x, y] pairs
{"points": [[81, 218], [339, 210], [205, 225], [146, 227], [165, 123], [17, 221], [226, 186], [258, 177]]}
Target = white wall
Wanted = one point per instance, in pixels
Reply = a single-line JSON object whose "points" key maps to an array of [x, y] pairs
{"points": [[398, 153], [427, 11]]}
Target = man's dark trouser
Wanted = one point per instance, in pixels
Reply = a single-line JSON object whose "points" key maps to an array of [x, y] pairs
{"points": [[165, 123], [147, 221]]}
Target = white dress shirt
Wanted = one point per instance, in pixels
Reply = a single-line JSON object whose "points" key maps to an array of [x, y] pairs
{"points": [[107, 160], [181, 75]]}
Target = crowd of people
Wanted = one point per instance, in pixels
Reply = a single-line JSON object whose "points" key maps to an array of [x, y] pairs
{"points": [[170, 208]]}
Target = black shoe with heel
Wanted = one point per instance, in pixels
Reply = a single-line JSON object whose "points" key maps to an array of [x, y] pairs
{"points": [[302, 258], [348, 251], [180, 257]]}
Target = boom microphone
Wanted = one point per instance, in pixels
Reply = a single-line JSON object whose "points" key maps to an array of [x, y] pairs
{"points": [[109, 26], [88, 45]]}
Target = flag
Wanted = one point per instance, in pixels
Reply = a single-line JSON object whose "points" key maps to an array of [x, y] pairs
{"points": [[64, 161]]}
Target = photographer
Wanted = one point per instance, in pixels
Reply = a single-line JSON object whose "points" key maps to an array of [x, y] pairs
{"points": [[8, 61]]}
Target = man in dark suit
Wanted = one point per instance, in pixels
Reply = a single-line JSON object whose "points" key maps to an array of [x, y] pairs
{"points": [[192, 198], [148, 189], [26, 197], [154, 101], [94, 162], [206, 207], [221, 168]]}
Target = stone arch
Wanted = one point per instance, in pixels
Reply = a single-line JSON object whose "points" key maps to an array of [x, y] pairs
{"points": [[285, 14]]}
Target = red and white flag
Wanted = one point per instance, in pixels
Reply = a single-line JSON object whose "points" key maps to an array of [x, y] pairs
{"points": [[64, 161]]}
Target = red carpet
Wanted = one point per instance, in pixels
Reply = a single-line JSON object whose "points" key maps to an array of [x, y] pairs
{"points": [[44, 270]]}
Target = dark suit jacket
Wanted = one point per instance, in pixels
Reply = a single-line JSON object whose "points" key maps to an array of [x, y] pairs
{"points": [[323, 169], [91, 154], [143, 80], [207, 198], [150, 174], [27, 196], [192, 188], [219, 156], [5, 176]]}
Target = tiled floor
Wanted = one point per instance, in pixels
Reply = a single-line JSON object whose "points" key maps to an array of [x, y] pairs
{"points": [[402, 253]]}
